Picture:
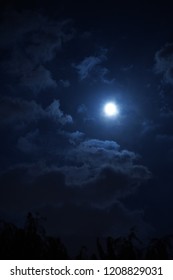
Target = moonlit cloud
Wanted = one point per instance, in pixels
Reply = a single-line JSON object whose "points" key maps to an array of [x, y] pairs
{"points": [[89, 63], [56, 114], [86, 66]]}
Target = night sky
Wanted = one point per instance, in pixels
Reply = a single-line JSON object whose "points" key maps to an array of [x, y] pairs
{"points": [[84, 173]]}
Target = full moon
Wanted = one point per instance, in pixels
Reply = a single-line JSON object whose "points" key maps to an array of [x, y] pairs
{"points": [[111, 109]]}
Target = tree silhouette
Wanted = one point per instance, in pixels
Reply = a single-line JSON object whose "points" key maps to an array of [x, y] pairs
{"points": [[31, 242], [160, 248], [119, 248]]}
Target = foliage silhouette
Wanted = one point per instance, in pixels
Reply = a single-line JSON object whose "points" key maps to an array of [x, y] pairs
{"points": [[31, 242]]}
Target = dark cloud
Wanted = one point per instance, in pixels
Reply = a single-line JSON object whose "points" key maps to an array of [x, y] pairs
{"points": [[28, 186], [40, 188], [42, 35], [164, 63], [46, 143], [26, 143], [87, 162], [31, 40], [15, 110], [86, 221], [18, 110], [111, 184], [91, 176], [38, 79], [103, 170]]}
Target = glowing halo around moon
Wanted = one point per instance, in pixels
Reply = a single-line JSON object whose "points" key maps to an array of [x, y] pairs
{"points": [[110, 109]]}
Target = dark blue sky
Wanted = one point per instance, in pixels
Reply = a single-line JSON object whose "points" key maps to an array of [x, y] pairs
{"points": [[60, 156]]}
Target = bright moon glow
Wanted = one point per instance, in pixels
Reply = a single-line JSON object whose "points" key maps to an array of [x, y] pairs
{"points": [[110, 109]]}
